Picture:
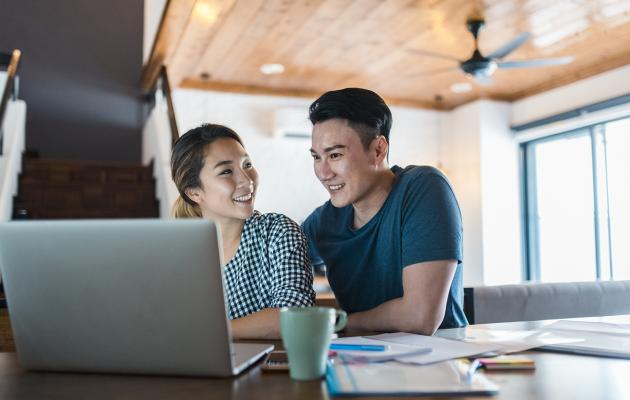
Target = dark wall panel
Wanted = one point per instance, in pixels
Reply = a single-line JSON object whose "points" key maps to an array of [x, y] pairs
{"points": [[80, 73]]}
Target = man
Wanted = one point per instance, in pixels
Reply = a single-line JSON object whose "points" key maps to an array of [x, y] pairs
{"points": [[391, 239]]}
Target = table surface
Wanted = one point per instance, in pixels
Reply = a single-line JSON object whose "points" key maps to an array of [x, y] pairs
{"points": [[556, 376]]}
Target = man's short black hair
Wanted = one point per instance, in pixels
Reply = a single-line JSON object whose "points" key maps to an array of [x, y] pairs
{"points": [[365, 111]]}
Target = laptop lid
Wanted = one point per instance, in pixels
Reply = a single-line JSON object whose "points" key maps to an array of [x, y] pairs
{"points": [[121, 296]]}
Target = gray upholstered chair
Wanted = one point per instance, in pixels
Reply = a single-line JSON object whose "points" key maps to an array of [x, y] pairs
{"points": [[536, 301]]}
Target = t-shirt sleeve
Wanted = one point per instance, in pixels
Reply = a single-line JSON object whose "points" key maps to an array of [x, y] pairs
{"points": [[431, 221], [292, 276], [309, 226]]}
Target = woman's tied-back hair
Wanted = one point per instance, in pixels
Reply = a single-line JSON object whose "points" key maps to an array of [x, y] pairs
{"points": [[187, 159]]}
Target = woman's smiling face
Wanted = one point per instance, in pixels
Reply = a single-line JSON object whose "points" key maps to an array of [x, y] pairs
{"points": [[228, 182]]}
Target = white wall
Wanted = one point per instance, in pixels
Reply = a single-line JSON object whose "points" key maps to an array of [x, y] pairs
{"points": [[481, 158], [152, 14], [287, 182], [461, 144], [500, 194], [587, 91]]}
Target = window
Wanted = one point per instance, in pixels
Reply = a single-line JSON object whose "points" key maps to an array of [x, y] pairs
{"points": [[577, 188], [617, 139]]}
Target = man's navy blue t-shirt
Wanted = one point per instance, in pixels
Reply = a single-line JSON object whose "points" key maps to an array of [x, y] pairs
{"points": [[420, 221]]}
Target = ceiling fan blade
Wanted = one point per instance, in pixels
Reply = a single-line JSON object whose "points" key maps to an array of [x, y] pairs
{"points": [[433, 54], [434, 72], [545, 62], [510, 47]]}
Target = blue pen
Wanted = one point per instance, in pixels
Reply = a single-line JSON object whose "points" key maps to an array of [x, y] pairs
{"points": [[358, 347]]}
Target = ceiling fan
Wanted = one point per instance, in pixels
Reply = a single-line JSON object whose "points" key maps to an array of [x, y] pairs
{"points": [[481, 67]]}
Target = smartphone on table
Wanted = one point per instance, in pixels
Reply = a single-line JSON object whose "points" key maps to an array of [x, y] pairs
{"points": [[276, 361]]}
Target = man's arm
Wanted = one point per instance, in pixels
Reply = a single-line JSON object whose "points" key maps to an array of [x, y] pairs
{"points": [[264, 324], [420, 310]]}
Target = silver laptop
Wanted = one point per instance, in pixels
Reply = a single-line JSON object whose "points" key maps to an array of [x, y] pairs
{"points": [[120, 296]]}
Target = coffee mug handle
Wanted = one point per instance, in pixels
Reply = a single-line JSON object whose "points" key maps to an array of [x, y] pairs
{"points": [[342, 319]]}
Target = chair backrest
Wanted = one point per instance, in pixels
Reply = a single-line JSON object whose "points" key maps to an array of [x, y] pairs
{"points": [[537, 301]]}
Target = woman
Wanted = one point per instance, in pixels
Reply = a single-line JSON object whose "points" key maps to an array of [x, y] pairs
{"points": [[267, 265]]}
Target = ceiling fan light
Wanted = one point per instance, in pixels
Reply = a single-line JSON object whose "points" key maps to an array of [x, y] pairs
{"points": [[461, 87], [272, 69]]}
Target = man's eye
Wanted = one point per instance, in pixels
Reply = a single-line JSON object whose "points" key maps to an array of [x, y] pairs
{"points": [[335, 155], [315, 156], [225, 172]]}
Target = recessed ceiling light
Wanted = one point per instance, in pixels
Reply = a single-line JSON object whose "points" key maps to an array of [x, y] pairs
{"points": [[272, 69], [461, 87], [207, 13]]}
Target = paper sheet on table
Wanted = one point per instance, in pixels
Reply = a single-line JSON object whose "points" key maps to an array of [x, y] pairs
{"points": [[442, 349], [513, 341], [595, 327], [597, 339]]}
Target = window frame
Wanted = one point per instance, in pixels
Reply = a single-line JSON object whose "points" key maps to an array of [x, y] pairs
{"points": [[530, 228]]}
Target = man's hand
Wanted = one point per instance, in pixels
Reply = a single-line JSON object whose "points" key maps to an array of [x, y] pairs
{"points": [[420, 310]]}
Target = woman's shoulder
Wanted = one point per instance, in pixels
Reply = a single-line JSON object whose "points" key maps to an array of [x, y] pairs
{"points": [[274, 224]]}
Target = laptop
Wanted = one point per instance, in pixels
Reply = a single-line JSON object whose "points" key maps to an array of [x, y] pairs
{"points": [[120, 296]]}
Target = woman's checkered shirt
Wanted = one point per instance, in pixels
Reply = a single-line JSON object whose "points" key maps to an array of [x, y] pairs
{"points": [[271, 267]]}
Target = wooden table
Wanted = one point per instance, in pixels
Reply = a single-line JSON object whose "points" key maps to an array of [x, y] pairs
{"points": [[557, 376]]}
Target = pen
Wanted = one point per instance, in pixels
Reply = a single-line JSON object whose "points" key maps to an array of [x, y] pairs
{"points": [[359, 347], [470, 372], [383, 358]]}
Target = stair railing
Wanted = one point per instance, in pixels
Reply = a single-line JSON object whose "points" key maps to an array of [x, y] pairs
{"points": [[12, 137], [11, 86], [165, 87], [158, 135]]}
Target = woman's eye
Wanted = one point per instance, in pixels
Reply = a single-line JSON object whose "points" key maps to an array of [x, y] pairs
{"points": [[225, 172], [248, 165]]}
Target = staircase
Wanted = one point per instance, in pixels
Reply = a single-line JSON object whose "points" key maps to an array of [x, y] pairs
{"points": [[58, 189], [61, 189]]}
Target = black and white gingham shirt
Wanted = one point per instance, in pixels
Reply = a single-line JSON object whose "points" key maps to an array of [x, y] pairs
{"points": [[271, 267]]}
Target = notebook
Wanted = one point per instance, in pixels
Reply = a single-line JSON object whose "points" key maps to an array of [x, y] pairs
{"points": [[120, 296], [396, 379]]}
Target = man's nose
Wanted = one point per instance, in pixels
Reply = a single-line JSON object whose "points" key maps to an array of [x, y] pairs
{"points": [[323, 171]]}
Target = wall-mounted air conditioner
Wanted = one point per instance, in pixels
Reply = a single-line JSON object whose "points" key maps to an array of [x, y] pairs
{"points": [[292, 123]]}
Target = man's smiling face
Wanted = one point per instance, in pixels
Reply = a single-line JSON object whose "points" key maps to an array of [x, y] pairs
{"points": [[341, 163]]}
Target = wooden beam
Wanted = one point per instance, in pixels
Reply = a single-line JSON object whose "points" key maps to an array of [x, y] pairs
{"points": [[172, 26], [290, 92]]}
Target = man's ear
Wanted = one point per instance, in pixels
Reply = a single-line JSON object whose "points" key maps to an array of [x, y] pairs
{"points": [[381, 148], [193, 194]]}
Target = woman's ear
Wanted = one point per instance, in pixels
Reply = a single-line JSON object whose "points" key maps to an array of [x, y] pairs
{"points": [[193, 194]]}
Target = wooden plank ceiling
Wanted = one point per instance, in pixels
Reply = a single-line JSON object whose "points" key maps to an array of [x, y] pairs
{"points": [[377, 44]]}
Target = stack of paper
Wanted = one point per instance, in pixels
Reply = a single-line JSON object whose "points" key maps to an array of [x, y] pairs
{"points": [[514, 341], [597, 338]]}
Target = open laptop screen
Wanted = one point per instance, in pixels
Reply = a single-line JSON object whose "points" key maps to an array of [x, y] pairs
{"points": [[124, 296]]}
